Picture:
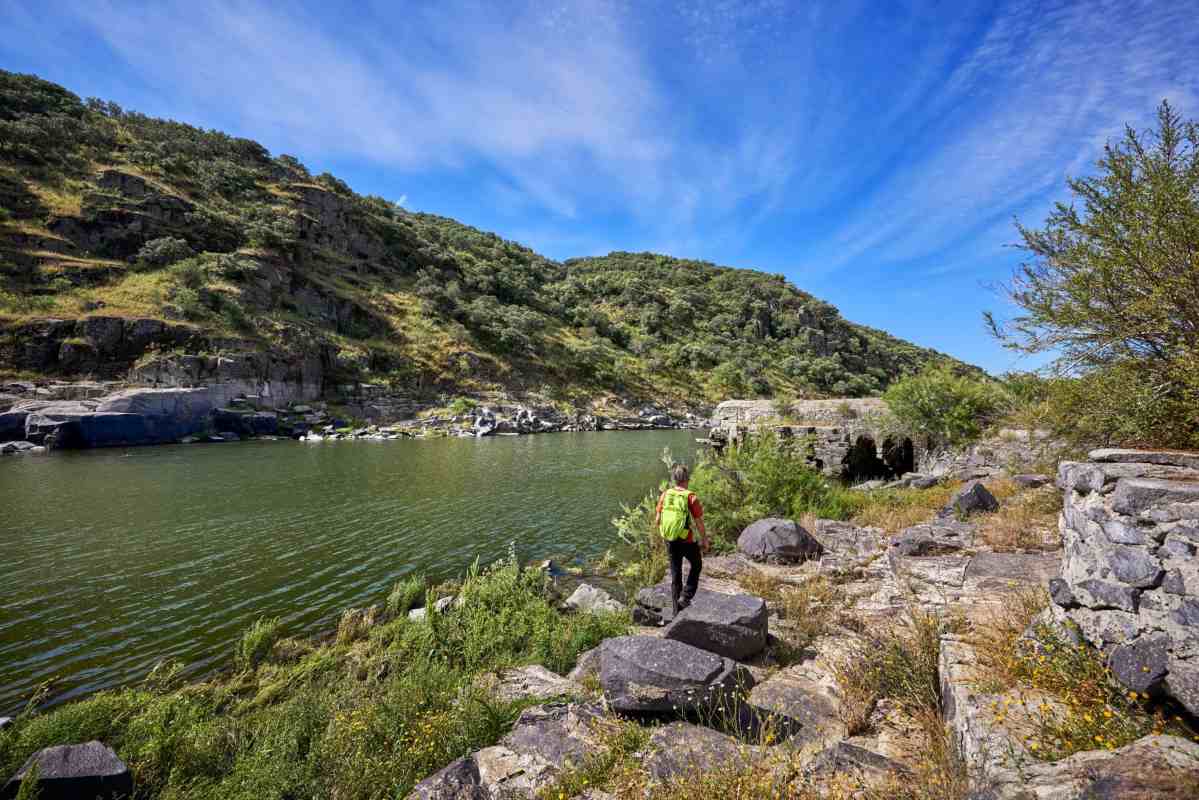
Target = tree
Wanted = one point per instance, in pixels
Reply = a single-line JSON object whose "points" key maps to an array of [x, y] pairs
{"points": [[1113, 277], [945, 408]]}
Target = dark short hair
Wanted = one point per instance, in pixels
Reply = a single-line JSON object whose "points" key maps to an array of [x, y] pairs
{"points": [[680, 473]]}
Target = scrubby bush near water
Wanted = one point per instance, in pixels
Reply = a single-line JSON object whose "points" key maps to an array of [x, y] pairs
{"points": [[364, 719]]}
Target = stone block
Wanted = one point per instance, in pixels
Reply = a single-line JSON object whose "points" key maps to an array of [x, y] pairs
{"points": [[67, 772], [728, 625]]}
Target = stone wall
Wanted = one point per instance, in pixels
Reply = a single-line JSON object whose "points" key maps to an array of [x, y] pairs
{"points": [[1130, 576]]}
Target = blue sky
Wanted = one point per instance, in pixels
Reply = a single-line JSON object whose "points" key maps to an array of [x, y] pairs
{"points": [[876, 153]]}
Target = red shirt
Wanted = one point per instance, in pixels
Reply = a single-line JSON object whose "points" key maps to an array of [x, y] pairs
{"points": [[697, 510]]}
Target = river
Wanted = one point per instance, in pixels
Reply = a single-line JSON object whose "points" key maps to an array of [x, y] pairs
{"points": [[116, 558]]}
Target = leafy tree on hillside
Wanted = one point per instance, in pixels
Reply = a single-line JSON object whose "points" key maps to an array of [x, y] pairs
{"points": [[1112, 288], [943, 407]]}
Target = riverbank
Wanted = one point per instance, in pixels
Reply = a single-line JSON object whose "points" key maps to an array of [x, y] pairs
{"points": [[868, 662], [36, 418]]}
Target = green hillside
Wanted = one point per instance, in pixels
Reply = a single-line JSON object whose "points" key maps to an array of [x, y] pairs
{"points": [[114, 215]]}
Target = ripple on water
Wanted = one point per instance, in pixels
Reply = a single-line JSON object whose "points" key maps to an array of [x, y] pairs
{"points": [[116, 559]]}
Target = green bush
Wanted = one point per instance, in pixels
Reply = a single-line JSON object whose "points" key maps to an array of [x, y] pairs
{"points": [[256, 643], [462, 405], [405, 595], [164, 251], [944, 407], [766, 476]]}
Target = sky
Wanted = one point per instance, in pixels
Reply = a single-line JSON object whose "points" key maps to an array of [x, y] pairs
{"points": [[876, 153]]}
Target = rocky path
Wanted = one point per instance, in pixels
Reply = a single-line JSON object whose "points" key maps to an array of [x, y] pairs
{"points": [[724, 686]]}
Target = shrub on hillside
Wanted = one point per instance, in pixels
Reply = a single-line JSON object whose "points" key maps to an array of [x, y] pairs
{"points": [[944, 407], [164, 251]]}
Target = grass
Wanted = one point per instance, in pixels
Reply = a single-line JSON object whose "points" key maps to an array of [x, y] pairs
{"points": [[1065, 693], [405, 596], [1027, 521], [897, 663], [896, 509], [807, 609], [257, 642], [366, 718]]}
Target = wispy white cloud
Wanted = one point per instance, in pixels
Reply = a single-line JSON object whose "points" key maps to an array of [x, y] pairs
{"points": [[883, 132], [1032, 102]]}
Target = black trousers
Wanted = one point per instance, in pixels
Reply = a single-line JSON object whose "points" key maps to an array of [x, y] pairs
{"points": [[678, 549]]}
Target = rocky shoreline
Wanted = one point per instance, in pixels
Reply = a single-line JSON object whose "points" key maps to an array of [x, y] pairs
{"points": [[760, 675], [39, 418]]}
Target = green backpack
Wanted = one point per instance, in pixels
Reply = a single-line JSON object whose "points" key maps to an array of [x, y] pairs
{"points": [[675, 514]]}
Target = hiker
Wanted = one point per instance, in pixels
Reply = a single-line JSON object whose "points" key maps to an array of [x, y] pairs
{"points": [[678, 510]]}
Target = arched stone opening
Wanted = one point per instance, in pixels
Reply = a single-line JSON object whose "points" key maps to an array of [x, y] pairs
{"points": [[900, 457], [862, 463]]}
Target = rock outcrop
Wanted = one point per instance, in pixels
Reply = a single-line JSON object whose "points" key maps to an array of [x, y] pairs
{"points": [[1130, 578], [544, 741], [645, 674]]}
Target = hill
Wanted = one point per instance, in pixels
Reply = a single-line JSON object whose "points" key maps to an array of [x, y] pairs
{"points": [[128, 241]]}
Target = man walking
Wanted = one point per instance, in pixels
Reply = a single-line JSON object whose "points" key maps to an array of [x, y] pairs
{"points": [[678, 510]]}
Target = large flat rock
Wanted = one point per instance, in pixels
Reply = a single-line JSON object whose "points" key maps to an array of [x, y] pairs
{"points": [[732, 625], [645, 674], [652, 604]]}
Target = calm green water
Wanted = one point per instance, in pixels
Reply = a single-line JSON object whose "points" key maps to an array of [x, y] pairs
{"points": [[113, 559]]}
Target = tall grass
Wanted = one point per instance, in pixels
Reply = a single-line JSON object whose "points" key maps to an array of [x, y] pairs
{"points": [[256, 643], [355, 720]]}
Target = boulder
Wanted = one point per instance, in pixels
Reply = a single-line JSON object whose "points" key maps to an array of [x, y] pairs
{"points": [[731, 625], [859, 765], [485, 424], [90, 770], [587, 666], [778, 541], [440, 607], [681, 748], [5, 722], [544, 741], [652, 605], [645, 674], [806, 697], [590, 599], [973, 498]]}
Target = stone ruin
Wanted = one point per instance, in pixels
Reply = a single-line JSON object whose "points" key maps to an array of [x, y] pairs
{"points": [[844, 434], [847, 439], [1130, 577]]}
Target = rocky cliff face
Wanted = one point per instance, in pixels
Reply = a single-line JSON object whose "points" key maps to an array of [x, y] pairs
{"points": [[1130, 579]]}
